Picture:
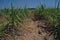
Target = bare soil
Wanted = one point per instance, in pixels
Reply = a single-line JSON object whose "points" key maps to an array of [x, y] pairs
{"points": [[32, 28]]}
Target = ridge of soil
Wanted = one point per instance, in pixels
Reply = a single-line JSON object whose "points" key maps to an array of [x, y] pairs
{"points": [[33, 28]]}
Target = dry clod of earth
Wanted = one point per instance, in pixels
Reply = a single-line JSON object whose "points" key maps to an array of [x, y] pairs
{"points": [[30, 29]]}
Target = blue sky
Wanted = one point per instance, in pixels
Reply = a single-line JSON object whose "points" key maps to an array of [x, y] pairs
{"points": [[27, 3]]}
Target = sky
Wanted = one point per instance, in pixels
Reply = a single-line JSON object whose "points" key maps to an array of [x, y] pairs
{"points": [[27, 3]]}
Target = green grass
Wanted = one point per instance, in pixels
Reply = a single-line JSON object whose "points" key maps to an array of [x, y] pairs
{"points": [[52, 14]]}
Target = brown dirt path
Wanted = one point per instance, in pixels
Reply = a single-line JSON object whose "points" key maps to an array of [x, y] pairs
{"points": [[31, 30]]}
